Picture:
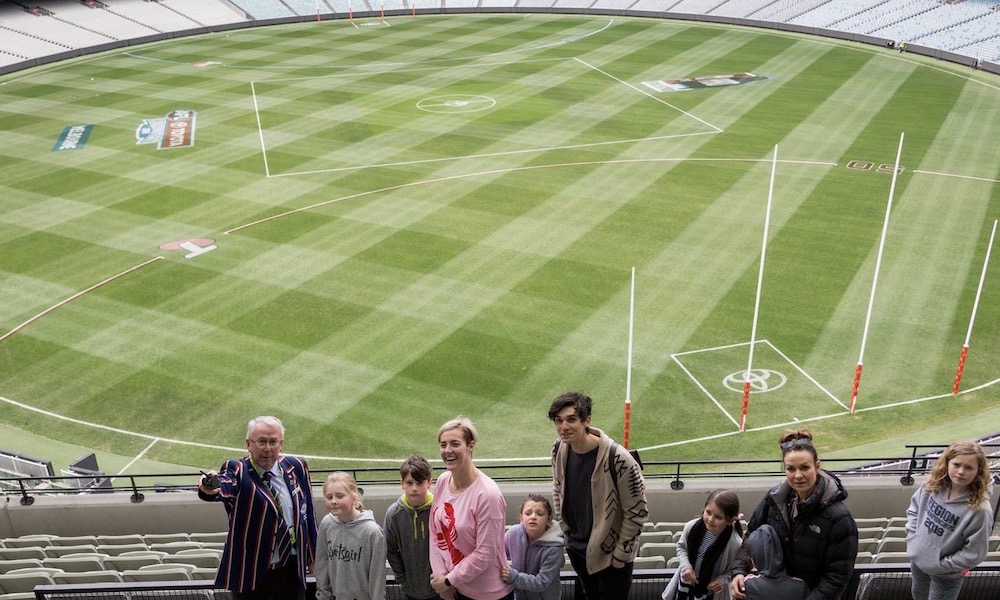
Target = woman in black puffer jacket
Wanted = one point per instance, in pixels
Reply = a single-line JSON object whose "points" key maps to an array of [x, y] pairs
{"points": [[819, 537]]}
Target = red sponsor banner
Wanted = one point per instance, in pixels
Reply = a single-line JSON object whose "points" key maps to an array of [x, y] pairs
{"points": [[179, 130]]}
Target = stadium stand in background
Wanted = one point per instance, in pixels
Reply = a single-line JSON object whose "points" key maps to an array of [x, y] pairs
{"points": [[966, 31]]}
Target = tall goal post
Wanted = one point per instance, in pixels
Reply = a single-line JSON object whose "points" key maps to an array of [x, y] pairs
{"points": [[748, 375], [972, 318], [878, 266], [628, 368]]}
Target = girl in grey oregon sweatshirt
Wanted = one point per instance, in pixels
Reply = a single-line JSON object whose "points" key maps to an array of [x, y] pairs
{"points": [[948, 522]]}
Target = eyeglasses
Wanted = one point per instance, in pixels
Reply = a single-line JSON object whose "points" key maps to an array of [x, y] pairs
{"points": [[796, 444], [265, 442]]}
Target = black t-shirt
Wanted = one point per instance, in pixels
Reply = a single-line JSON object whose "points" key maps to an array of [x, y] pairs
{"points": [[577, 508]]}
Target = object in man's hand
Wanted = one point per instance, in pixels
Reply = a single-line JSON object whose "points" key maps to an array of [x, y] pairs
{"points": [[210, 480]]}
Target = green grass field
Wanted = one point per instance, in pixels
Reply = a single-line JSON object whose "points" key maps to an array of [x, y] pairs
{"points": [[441, 216]]}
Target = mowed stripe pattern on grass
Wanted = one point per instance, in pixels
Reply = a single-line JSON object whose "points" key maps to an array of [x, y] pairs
{"points": [[492, 272]]}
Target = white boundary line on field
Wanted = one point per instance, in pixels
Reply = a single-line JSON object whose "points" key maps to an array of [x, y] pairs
{"points": [[404, 163], [513, 170], [136, 458], [75, 296], [155, 439], [969, 177]]}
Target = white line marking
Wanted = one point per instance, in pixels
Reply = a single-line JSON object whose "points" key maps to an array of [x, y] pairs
{"points": [[74, 297], [707, 393], [137, 457], [499, 460], [512, 170], [970, 177], [648, 95], [807, 375], [490, 154], [260, 129], [737, 345], [713, 349]]}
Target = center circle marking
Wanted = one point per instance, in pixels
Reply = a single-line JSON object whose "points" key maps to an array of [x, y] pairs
{"points": [[456, 103], [761, 380]]}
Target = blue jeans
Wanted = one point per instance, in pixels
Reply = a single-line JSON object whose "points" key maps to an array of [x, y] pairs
{"points": [[935, 587]]}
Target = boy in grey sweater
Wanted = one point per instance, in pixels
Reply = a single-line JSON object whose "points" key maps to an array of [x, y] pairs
{"points": [[406, 530]]}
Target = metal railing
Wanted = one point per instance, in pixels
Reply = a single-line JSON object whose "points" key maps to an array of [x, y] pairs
{"points": [[675, 472]]}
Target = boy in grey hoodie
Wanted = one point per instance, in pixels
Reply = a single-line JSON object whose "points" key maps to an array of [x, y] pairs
{"points": [[405, 527], [770, 580]]}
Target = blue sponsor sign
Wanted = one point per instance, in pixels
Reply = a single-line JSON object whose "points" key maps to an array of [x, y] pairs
{"points": [[73, 137]]}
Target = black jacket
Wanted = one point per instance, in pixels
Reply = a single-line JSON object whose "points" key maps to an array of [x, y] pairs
{"points": [[820, 546]]}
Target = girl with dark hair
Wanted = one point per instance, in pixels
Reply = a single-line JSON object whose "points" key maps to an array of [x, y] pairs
{"points": [[535, 550], [706, 549]]}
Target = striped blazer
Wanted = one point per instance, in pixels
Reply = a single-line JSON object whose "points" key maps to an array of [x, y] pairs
{"points": [[254, 521]]}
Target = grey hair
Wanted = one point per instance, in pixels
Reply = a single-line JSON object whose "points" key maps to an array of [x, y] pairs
{"points": [[266, 420]]}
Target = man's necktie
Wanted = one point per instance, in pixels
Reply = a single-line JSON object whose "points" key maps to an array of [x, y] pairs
{"points": [[286, 535]]}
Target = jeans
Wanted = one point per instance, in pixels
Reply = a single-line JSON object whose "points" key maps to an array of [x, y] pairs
{"points": [[935, 587], [607, 584]]}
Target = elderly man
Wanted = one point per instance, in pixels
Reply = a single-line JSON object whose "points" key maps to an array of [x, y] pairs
{"points": [[272, 526]]}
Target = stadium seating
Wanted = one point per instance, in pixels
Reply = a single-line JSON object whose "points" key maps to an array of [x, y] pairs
{"points": [[16, 553], [23, 582], [650, 562], [203, 559], [117, 549], [133, 538], [24, 563], [57, 551], [173, 573], [663, 550], [74, 540], [76, 563], [28, 541], [130, 561], [87, 577]]}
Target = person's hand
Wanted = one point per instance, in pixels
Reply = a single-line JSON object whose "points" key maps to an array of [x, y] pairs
{"points": [[737, 586], [715, 586], [437, 582], [688, 575], [617, 564], [208, 491], [505, 571]]}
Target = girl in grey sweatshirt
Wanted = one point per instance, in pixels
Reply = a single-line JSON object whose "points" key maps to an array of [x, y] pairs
{"points": [[350, 546], [948, 522]]}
